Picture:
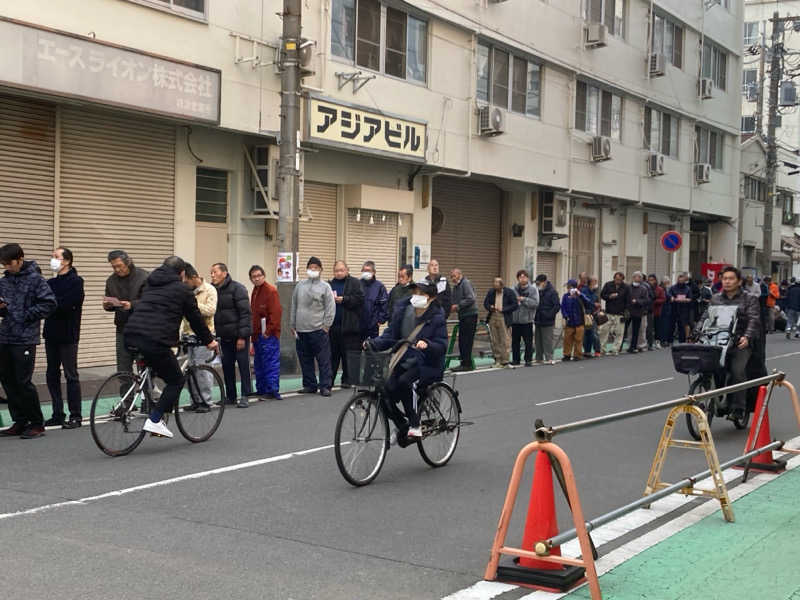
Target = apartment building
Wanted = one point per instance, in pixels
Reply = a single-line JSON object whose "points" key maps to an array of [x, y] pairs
{"points": [[755, 86], [559, 136]]}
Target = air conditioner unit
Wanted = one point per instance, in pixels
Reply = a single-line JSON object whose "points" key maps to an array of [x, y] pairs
{"points": [[702, 172], [655, 164], [595, 35], [705, 88], [601, 148], [657, 64], [491, 121], [788, 94]]}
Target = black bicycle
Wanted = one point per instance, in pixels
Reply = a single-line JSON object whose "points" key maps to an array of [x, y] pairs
{"points": [[362, 439], [124, 401]]}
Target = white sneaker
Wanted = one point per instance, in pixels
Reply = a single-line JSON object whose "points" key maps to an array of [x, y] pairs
{"points": [[157, 428], [414, 433]]}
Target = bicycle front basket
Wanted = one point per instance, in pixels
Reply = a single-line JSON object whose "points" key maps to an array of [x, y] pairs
{"points": [[368, 368], [696, 358]]}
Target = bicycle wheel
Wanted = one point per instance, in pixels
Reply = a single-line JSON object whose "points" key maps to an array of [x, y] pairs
{"points": [[115, 419], [742, 423], [200, 404], [440, 418], [361, 439], [703, 383]]}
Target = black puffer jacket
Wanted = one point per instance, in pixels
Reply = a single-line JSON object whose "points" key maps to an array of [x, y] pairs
{"points": [[549, 305], [29, 300], [232, 319], [64, 325], [158, 313]]}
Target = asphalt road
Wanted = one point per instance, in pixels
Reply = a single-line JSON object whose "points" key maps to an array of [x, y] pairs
{"points": [[291, 528]]}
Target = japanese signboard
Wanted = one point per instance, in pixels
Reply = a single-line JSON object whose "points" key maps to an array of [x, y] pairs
{"points": [[366, 130], [48, 61]]}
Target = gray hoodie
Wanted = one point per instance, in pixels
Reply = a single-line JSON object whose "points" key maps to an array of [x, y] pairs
{"points": [[527, 308], [313, 307]]}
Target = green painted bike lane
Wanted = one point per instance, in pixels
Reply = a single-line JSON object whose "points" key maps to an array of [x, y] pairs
{"points": [[753, 558]]}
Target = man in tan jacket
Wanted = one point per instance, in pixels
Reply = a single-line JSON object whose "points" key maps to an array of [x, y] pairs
{"points": [[206, 295]]}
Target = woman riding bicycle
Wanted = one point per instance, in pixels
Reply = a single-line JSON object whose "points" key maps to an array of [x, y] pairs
{"points": [[417, 333]]}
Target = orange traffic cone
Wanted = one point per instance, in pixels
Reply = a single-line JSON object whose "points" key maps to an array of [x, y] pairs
{"points": [[764, 461], [541, 522]]}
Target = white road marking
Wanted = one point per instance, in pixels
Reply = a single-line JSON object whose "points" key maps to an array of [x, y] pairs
{"points": [[617, 389], [164, 482], [483, 590], [783, 355]]}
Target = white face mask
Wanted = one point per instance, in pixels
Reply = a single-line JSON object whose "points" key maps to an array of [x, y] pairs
{"points": [[418, 301], [312, 274], [55, 264], [636, 284], [366, 275]]}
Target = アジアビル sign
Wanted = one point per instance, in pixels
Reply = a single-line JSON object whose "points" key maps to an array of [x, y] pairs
{"points": [[330, 123], [79, 67]]}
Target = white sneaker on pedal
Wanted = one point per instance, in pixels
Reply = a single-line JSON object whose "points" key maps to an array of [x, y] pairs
{"points": [[157, 428], [414, 433]]}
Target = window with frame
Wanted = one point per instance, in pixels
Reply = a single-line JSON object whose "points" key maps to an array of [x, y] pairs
{"points": [[380, 38], [610, 13], [667, 39], [748, 124], [661, 132], [708, 147], [193, 8], [508, 81], [750, 33], [787, 208], [211, 195], [755, 189], [598, 111], [749, 82], [715, 64]]}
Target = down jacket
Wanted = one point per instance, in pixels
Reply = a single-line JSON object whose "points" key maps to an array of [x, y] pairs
{"points": [[232, 319], [29, 300]]}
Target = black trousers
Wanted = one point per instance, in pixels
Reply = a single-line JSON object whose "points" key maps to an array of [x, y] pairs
{"points": [[466, 337], [738, 374], [164, 364], [341, 344], [400, 388], [636, 325], [16, 370], [231, 357], [519, 332], [63, 356]]}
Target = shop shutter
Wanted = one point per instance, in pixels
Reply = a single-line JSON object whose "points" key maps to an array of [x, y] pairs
{"points": [[318, 235], [27, 177], [376, 242], [658, 260], [546, 263], [117, 192], [468, 216], [582, 246]]}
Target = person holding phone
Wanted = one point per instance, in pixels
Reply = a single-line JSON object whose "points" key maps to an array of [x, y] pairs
{"points": [[124, 288]]}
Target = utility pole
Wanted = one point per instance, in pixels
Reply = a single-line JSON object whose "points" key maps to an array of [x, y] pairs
{"points": [[288, 183], [762, 51], [772, 147]]}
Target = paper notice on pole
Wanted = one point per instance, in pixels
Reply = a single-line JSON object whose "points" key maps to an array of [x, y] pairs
{"points": [[285, 270]]}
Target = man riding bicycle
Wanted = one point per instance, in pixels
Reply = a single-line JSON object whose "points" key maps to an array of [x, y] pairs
{"points": [[421, 322], [745, 336], [152, 330]]}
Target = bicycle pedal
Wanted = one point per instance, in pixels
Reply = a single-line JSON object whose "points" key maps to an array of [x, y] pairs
{"points": [[158, 435]]}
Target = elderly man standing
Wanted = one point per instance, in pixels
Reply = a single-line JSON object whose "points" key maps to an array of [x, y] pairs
{"points": [[442, 288], [376, 302], [205, 295], [522, 319], [123, 290], [266, 311], [463, 299], [501, 302], [310, 318], [615, 293], [403, 288], [345, 334]]}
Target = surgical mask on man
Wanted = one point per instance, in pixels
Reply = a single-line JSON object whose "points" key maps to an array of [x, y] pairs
{"points": [[418, 301], [312, 274], [55, 264], [636, 284], [366, 275]]}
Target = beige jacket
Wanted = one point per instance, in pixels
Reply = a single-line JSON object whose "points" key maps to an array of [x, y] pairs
{"points": [[206, 296]]}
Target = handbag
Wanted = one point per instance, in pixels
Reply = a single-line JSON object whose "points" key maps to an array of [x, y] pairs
{"points": [[588, 322], [600, 317]]}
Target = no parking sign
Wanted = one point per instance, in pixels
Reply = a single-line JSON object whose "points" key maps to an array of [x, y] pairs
{"points": [[671, 241]]}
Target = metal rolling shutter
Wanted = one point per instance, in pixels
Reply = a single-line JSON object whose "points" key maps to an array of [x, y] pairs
{"points": [[469, 237], [117, 192], [582, 245], [27, 177], [318, 236], [546, 263], [376, 242], [658, 260]]}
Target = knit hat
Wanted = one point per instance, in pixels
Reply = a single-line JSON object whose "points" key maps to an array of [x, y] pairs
{"points": [[541, 277], [572, 283], [314, 261]]}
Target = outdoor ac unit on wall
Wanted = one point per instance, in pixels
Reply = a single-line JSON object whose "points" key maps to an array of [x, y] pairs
{"points": [[595, 35], [657, 64], [655, 164], [601, 148], [491, 121], [706, 88], [702, 173]]}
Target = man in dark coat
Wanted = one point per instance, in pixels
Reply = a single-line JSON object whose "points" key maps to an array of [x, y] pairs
{"points": [[402, 289], [420, 320], [615, 294], [25, 299], [792, 308], [153, 329], [500, 302], [639, 302], [434, 277], [681, 299], [61, 334], [345, 334], [545, 319], [376, 302], [123, 289], [232, 323]]}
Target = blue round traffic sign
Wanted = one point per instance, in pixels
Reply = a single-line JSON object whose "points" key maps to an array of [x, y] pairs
{"points": [[671, 241]]}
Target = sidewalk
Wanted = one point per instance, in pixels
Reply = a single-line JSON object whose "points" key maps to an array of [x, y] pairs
{"points": [[751, 558]]}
